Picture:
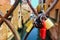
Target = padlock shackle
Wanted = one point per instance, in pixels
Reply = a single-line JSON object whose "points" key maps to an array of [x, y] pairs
{"points": [[42, 17]]}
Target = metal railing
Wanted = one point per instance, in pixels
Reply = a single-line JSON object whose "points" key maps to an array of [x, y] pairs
{"points": [[4, 18]]}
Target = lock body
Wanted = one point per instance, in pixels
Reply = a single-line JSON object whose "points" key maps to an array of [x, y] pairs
{"points": [[29, 25], [49, 23], [43, 31], [38, 23]]}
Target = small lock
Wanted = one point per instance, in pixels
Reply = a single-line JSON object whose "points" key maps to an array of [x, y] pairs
{"points": [[29, 25], [38, 23], [49, 23]]}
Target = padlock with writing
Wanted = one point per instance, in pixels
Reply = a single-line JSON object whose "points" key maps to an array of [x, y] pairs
{"points": [[49, 23]]}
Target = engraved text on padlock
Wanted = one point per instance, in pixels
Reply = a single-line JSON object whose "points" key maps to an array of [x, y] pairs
{"points": [[49, 24]]}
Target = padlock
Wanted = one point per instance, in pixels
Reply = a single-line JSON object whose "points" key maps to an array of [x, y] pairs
{"points": [[29, 28], [49, 23], [29, 25], [43, 31], [38, 23]]}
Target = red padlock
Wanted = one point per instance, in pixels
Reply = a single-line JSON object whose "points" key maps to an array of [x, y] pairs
{"points": [[43, 31]]}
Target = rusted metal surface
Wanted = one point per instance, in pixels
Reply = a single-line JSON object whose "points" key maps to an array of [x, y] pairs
{"points": [[55, 31], [3, 18], [55, 35], [53, 11], [10, 11], [52, 6], [16, 35]]}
